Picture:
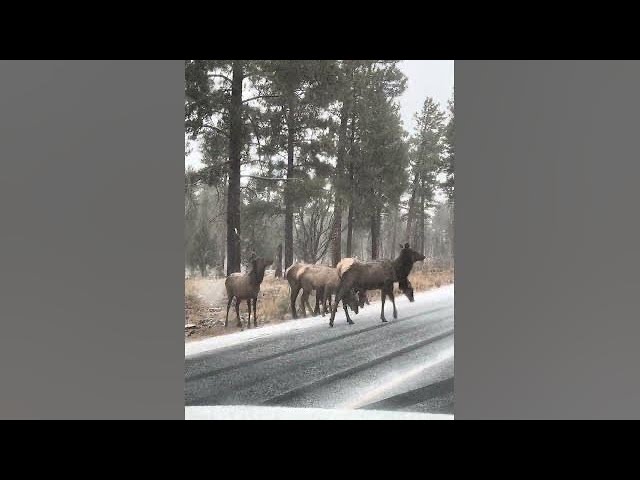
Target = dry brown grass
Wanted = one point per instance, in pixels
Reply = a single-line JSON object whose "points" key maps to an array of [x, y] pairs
{"points": [[206, 301], [206, 306]]}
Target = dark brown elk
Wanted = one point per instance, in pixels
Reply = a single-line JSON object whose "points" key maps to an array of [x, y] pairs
{"points": [[377, 275], [355, 298], [321, 278], [246, 287]]}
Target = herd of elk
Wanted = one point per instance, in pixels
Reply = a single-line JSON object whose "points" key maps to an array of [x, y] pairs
{"points": [[348, 283], [324, 280]]}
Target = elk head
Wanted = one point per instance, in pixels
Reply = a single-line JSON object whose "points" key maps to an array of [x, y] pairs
{"points": [[409, 255], [352, 300]]}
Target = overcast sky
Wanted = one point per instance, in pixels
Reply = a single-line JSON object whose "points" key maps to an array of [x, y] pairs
{"points": [[425, 78]]}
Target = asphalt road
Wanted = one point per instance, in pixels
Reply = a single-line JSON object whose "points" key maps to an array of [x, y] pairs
{"points": [[405, 365]]}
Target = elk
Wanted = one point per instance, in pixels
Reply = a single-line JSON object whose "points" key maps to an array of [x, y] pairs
{"points": [[291, 274], [377, 275], [246, 287], [330, 290], [321, 278]]}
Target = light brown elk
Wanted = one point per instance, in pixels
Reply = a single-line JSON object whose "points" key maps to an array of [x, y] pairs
{"points": [[321, 278], [246, 287]]}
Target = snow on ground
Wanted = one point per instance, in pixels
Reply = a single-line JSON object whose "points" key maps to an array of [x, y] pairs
{"points": [[241, 412], [198, 347]]}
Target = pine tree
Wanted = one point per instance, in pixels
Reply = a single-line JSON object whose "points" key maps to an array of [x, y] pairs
{"points": [[427, 149], [448, 160], [379, 167], [214, 107], [295, 93]]}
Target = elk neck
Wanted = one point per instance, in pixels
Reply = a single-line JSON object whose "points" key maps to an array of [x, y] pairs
{"points": [[402, 268], [256, 275]]}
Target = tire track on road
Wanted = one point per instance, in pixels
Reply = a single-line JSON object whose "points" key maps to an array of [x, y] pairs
{"points": [[244, 363], [291, 394]]}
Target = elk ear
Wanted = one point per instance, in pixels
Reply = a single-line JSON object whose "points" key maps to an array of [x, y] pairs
{"points": [[406, 245]]}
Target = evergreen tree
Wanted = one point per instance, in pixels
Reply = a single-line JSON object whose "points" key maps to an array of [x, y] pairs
{"points": [[379, 156], [427, 149], [448, 161], [214, 104], [295, 93]]}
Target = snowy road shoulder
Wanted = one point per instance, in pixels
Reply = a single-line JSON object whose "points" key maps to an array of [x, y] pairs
{"points": [[198, 347]]}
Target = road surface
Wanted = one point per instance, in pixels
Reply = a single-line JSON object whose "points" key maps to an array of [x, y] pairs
{"points": [[405, 365]]}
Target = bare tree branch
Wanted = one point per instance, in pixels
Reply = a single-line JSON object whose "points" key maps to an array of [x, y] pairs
{"points": [[218, 75], [216, 129], [272, 179], [259, 96]]}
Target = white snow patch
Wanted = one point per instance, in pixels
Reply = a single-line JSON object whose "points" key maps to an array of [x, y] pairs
{"points": [[241, 412]]}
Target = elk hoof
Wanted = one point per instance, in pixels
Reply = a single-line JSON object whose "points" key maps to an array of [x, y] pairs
{"points": [[384, 320], [350, 322]]}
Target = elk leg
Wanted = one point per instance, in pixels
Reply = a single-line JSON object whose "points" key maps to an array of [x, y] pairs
{"points": [[393, 300], [319, 298], [249, 318], [384, 296], [304, 299], [346, 312], [327, 298], [311, 311], [255, 315], [294, 296], [226, 322], [239, 324], [336, 300]]}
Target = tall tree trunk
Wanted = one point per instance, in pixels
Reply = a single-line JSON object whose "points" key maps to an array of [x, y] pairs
{"points": [[336, 230], [411, 214], [422, 215], [278, 273], [350, 231], [392, 252], [345, 112], [351, 188], [375, 234], [235, 150], [288, 209]]}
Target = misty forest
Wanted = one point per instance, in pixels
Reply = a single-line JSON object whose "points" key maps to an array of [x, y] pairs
{"points": [[308, 161]]}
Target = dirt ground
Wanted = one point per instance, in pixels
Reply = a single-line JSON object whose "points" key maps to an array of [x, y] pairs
{"points": [[205, 301]]}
